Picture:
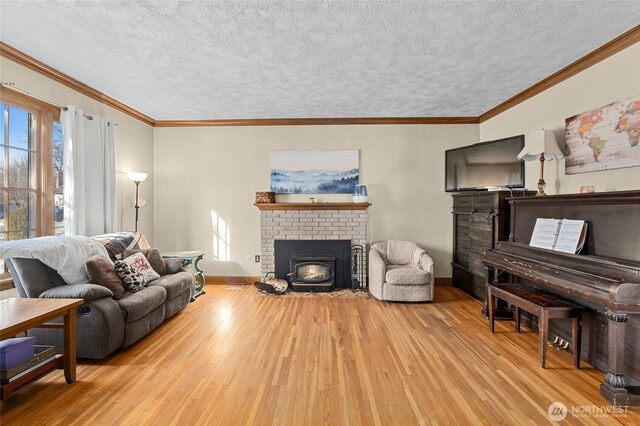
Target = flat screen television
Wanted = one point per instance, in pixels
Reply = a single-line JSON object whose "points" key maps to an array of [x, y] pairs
{"points": [[485, 165]]}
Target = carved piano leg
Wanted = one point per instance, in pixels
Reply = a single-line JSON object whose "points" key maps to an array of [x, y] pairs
{"points": [[613, 388]]}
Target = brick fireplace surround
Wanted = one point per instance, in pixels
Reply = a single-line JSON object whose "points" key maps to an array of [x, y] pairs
{"points": [[309, 221]]}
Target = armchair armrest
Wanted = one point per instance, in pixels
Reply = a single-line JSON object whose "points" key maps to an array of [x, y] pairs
{"points": [[377, 267], [77, 291], [426, 263]]}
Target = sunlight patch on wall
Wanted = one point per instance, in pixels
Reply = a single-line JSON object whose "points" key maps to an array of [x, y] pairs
{"points": [[221, 238]]}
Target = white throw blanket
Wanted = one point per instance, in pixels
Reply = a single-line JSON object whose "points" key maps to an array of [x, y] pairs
{"points": [[65, 254]]}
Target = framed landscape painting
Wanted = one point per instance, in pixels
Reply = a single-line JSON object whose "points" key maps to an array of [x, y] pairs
{"points": [[604, 138], [314, 171]]}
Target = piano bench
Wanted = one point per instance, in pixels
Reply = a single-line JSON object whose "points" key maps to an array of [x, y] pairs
{"points": [[545, 306]]}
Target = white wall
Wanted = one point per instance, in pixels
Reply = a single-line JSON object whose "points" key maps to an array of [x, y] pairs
{"points": [[134, 141], [615, 78], [201, 169], [193, 171]]}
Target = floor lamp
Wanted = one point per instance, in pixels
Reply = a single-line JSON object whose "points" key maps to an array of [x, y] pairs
{"points": [[137, 178], [543, 146]]}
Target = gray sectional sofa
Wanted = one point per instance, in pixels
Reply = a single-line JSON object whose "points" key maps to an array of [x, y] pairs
{"points": [[103, 324]]}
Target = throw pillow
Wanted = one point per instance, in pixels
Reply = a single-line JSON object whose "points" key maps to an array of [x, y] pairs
{"points": [[153, 256], [174, 265], [100, 271], [141, 264], [133, 280]]}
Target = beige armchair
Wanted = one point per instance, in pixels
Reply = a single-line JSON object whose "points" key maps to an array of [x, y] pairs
{"points": [[400, 271]]}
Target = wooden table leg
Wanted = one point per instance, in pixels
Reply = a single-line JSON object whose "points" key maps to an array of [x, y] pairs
{"points": [[70, 346], [542, 331], [517, 313]]}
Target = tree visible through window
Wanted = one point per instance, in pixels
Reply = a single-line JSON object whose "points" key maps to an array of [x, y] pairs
{"points": [[18, 188], [58, 197]]}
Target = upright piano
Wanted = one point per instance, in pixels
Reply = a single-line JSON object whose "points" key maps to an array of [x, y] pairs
{"points": [[604, 277]]}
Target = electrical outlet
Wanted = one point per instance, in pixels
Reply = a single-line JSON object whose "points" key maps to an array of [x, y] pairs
{"points": [[257, 258], [247, 258]]}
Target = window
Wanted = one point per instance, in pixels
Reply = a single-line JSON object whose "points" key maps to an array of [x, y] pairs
{"points": [[31, 199], [18, 188], [58, 197]]}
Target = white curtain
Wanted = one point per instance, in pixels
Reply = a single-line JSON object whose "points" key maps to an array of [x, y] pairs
{"points": [[89, 166]]}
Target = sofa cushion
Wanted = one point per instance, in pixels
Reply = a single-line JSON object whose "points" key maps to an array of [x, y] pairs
{"points": [[410, 275], [132, 279], [153, 256], [175, 305], [136, 330], [100, 271], [175, 284], [77, 291], [137, 305]]}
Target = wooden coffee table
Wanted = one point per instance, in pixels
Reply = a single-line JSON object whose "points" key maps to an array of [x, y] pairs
{"points": [[20, 315]]}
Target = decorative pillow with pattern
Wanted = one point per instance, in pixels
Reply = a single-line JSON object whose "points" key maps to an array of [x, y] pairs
{"points": [[153, 256], [142, 265], [132, 279]]}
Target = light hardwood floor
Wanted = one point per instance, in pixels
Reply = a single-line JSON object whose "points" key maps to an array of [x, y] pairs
{"points": [[238, 357]]}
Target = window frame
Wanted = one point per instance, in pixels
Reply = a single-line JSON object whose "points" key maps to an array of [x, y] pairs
{"points": [[45, 115]]}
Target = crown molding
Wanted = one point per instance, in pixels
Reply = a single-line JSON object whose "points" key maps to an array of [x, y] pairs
{"points": [[616, 45], [39, 67], [315, 121]]}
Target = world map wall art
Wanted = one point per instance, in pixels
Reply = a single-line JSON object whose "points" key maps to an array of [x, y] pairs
{"points": [[314, 171], [604, 138]]}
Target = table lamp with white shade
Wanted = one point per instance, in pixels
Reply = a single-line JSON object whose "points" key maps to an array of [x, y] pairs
{"points": [[137, 178], [543, 146]]}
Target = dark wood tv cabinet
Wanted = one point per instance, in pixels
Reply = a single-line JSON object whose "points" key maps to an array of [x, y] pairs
{"points": [[480, 220]]}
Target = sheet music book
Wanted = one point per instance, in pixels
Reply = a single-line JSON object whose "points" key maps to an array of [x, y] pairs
{"points": [[565, 235]]}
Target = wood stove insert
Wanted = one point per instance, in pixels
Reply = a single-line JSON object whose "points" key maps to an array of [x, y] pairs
{"points": [[312, 273], [335, 253]]}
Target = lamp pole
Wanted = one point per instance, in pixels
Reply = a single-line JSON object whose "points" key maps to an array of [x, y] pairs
{"points": [[137, 206]]}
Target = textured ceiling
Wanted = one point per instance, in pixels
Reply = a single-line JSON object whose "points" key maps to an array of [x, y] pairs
{"points": [[195, 60]]}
